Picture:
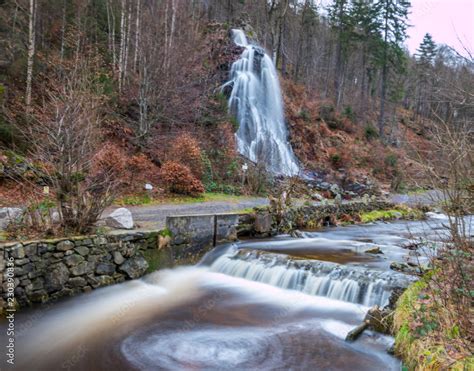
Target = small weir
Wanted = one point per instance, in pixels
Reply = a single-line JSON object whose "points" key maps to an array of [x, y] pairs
{"points": [[353, 284]]}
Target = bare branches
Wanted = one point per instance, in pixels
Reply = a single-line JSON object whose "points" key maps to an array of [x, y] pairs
{"points": [[65, 139]]}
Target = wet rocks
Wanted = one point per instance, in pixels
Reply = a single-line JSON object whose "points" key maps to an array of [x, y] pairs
{"points": [[375, 250], [408, 268], [297, 234]]}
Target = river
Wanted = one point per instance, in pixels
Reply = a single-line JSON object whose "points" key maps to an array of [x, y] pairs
{"points": [[281, 303]]}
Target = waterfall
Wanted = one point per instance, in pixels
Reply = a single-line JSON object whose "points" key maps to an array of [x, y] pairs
{"points": [[347, 283], [257, 104]]}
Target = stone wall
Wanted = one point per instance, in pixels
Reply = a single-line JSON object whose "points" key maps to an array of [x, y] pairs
{"points": [[314, 216], [46, 270], [265, 222], [41, 271]]}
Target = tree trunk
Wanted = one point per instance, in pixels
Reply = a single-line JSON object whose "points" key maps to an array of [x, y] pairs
{"points": [[122, 45], [137, 36], [363, 89], [127, 41], [172, 31], [383, 94], [382, 100], [31, 53], [63, 30]]}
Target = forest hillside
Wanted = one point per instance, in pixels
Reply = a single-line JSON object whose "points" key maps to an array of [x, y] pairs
{"points": [[145, 79]]}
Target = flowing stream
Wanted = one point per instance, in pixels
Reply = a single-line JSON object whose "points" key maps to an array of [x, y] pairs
{"points": [[280, 303], [257, 103]]}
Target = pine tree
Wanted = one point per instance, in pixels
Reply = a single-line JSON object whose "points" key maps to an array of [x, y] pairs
{"points": [[425, 56], [365, 32], [393, 21], [426, 52]]}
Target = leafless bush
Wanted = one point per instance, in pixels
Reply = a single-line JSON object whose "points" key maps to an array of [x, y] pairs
{"points": [[65, 139], [449, 167]]}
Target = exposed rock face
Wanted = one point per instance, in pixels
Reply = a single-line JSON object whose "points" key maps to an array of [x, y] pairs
{"points": [[120, 219], [8, 215]]}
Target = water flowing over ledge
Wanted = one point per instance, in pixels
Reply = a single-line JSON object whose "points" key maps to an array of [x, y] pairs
{"points": [[257, 103], [352, 284]]}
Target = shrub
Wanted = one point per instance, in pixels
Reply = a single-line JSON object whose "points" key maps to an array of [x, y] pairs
{"points": [[186, 151], [370, 132], [179, 179], [335, 159], [304, 114], [142, 170], [349, 113], [391, 160], [326, 112]]}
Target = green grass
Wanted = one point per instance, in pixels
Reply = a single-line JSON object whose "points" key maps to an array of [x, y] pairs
{"points": [[248, 210], [145, 199], [135, 200]]}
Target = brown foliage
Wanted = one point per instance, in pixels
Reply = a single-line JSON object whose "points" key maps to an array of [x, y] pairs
{"points": [[179, 179], [186, 151]]}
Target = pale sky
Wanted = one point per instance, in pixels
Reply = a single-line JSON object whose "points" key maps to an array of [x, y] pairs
{"points": [[445, 20]]}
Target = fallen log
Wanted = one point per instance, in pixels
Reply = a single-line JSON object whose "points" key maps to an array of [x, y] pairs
{"points": [[354, 334]]}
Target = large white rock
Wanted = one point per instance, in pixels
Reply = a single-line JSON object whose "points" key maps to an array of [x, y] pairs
{"points": [[120, 218], [8, 215]]}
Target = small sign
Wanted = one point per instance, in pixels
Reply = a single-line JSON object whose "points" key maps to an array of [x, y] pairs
{"points": [[148, 187], [46, 190]]}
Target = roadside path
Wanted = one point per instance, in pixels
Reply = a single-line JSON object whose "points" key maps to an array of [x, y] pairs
{"points": [[154, 216]]}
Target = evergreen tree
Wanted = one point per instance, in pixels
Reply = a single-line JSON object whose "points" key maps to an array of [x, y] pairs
{"points": [[426, 52], [393, 16], [425, 57], [365, 33]]}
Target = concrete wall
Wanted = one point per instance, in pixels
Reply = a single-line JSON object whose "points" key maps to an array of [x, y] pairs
{"points": [[195, 234]]}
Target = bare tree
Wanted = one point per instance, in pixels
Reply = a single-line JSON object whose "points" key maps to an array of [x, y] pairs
{"points": [[31, 52], [65, 139]]}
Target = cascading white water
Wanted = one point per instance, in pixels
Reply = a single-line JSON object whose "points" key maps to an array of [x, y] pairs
{"points": [[257, 103], [346, 283]]}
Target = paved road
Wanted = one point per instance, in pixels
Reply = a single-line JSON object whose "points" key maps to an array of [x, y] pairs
{"points": [[425, 198], [154, 216]]}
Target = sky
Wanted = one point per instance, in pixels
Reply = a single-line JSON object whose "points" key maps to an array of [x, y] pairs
{"points": [[445, 20]]}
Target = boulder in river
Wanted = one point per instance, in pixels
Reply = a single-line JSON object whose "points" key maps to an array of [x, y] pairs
{"points": [[120, 219], [374, 250]]}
